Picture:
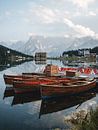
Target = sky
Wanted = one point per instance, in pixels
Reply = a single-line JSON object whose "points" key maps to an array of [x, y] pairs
{"points": [[20, 19]]}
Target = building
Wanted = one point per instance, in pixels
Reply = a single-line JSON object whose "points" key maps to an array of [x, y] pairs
{"points": [[81, 52], [97, 58], [86, 52], [40, 56], [65, 55]]}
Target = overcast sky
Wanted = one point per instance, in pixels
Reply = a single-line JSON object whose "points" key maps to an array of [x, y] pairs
{"points": [[20, 19]]}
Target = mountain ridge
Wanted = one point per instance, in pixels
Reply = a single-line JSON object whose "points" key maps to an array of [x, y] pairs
{"points": [[54, 46]]}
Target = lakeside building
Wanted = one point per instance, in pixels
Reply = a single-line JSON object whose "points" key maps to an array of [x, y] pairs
{"points": [[40, 56], [97, 58], [65, 55], [84, 52]]}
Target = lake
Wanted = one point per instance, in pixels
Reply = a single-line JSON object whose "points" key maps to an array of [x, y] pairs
{"points": [[28, 111]]}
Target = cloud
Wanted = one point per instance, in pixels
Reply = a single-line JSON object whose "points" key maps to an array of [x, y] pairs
{"points": [[31, 34], [21, 12], [83, 3], [8, 13], [69, 23], [66, 36], [84, 30], [77, 13], [84, 13], [91, 13], [79, 29], [47, 14], [44, 14]]}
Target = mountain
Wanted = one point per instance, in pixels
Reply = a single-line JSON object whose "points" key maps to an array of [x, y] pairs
{"points": [[54, 46], [84, 42], [17, 45], [2, 43], [8, 54]]}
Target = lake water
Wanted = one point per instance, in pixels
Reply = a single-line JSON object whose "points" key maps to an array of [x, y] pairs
{"points": [[22, 112]]}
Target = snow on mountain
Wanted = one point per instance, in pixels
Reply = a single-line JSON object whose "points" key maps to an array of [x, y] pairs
{"points": [[89, 43], [84, 42], [54, 46], [17, 45], [4, 43]]}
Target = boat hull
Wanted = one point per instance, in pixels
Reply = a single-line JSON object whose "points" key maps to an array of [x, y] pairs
{"points": [[53, 91], [28, 86], [9, 79]]}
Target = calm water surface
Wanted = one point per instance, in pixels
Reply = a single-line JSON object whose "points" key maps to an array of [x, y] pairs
{"points": [[22, 112]]}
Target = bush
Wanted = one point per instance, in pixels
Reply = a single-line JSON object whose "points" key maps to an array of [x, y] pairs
{"points": [[89, 122]]}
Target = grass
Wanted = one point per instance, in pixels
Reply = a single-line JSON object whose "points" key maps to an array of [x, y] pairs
{"points": [[88, 122]]}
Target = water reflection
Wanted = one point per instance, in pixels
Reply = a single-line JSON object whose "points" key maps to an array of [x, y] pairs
{"points": [[9, 63], [26, 116], [49, 105], [79, 63], [58, 104], [22, 97], [40, 62], [26, 97], [4, 64], [9, 92]]}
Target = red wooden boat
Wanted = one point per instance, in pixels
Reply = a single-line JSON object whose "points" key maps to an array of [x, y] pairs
{"points": [[10, 78], [34, 73], [59, 89], [31, 85], [51, 71]]}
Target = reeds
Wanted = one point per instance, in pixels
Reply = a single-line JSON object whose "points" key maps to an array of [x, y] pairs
{"points": [[88, 122]]}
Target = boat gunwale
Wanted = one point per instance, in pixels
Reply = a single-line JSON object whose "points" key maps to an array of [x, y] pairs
{"points": [[70, 85]]}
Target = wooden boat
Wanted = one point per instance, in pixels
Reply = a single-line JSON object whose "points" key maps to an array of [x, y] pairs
{"points": [[59, 89], [34, 73], [29, 76], [34, 84], [51, 71], [26, 76], [52, 105], [10, 78], [28, 86]]}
